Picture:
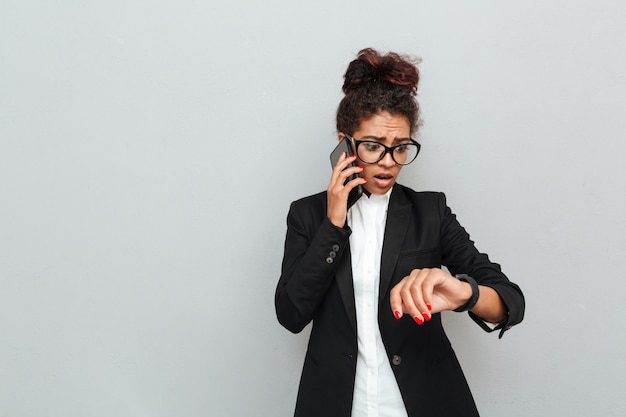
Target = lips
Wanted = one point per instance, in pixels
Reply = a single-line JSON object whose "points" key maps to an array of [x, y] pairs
{"points": [[383, 180], [383, 176]]}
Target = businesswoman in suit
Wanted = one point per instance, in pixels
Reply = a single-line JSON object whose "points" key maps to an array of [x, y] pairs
{"points": [[369, 277]]}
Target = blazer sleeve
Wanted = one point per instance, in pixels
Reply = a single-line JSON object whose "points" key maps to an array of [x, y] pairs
{"points": [[461, 256], [313, 249]]}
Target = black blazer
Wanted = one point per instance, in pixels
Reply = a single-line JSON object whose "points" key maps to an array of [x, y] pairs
{"points": [[316, 285]]}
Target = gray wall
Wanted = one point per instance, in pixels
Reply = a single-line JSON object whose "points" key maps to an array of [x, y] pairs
{"points": [[150, 149]]}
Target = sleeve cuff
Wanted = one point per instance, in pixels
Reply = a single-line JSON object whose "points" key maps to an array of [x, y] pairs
{"points": [[503, 326]]}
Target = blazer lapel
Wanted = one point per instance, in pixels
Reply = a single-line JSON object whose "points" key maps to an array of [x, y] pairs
{"points": [[398, 215], [346, 286]]}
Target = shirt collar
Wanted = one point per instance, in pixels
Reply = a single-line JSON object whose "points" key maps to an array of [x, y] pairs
{"points": [[382, 199]]}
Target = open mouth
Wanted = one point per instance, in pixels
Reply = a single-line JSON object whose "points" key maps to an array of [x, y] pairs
{"points": [[383, 177], [383, 180]]}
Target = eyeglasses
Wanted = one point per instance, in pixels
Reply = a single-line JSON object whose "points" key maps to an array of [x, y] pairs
{"points": [[370, 151]]}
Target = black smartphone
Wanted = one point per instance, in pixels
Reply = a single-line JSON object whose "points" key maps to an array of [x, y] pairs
{"points": [[345, 146]]}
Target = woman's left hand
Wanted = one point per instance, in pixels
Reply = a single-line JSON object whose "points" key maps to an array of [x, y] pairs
{"points": [[428, 291]]}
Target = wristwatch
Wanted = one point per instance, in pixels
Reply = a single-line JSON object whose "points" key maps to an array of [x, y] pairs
{"points": [[475, 293]]}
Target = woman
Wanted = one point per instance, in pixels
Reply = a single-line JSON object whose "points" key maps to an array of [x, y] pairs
{"points": [[370, 278]]}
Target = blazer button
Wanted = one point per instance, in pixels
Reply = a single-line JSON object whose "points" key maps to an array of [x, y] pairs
{"points": [[329, 260], [332, 254], [396, 360], [335, 248]]}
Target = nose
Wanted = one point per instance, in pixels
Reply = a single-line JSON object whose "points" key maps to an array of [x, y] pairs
{"points": [[387, 160]]}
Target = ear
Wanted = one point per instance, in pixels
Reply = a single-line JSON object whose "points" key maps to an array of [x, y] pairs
{"points": [[340, 137]]}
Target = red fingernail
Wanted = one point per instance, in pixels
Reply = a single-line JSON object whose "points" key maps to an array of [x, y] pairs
{"points": [[360, 167], [365, 179], [397, 314], [418, 319], [354, 155], [426, 316], [429, 307]]}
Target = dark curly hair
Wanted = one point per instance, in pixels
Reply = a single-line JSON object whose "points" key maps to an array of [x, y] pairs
{"points": [[375, 83]]}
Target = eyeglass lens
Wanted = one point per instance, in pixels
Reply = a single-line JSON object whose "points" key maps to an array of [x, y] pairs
{"points": [[371, 152]]}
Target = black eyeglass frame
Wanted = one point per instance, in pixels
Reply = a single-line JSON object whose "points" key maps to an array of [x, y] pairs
{"points": [[388, 149]]}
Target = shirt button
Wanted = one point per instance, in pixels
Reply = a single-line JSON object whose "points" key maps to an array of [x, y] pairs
{"points": [[396, 360]]}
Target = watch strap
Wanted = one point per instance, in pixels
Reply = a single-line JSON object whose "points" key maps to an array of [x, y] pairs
{"points": [[475, 292]]}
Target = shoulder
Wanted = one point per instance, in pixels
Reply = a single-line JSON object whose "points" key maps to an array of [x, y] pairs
{"points": [[420, 197], [308, 214], [311, 202], [428, 205], [312, 208]]}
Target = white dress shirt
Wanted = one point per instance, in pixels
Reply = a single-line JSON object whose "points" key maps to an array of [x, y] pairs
{"points": [[376, 392]]}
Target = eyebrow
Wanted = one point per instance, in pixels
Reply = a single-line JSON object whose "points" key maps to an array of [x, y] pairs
{"points": [[382, 139]]}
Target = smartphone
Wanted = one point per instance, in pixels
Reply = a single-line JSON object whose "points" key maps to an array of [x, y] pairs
{"points": [[345, 146]]}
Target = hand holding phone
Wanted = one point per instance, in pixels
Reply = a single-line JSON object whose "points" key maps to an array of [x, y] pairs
{"points": [[338, 183]]}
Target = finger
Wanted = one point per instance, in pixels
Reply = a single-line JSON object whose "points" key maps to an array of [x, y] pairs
{"points": [[340, 184], [347, 172], [339, 174], [338, 193], [411, 297], [427, 297], [351, 170], [336, 170], [422, 293], [402, 299], [355, 182], [409, 292], [343, 161], [395, 299], [341, 190]]}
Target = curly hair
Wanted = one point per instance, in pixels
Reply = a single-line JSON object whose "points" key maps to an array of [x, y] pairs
{"points": [[375, 83]]}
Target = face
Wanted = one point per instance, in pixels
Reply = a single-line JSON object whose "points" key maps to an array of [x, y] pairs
{"points": [[389, 130]]}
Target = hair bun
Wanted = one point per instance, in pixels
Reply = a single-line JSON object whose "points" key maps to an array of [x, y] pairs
{"points": [[371, 67]]}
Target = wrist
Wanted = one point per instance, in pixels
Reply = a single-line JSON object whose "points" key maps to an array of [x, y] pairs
{"points": [[336, 222], [475, 293]]}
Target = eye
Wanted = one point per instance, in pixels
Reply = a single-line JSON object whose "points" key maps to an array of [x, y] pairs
{"points": [[402, 148], [371, 146]]}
